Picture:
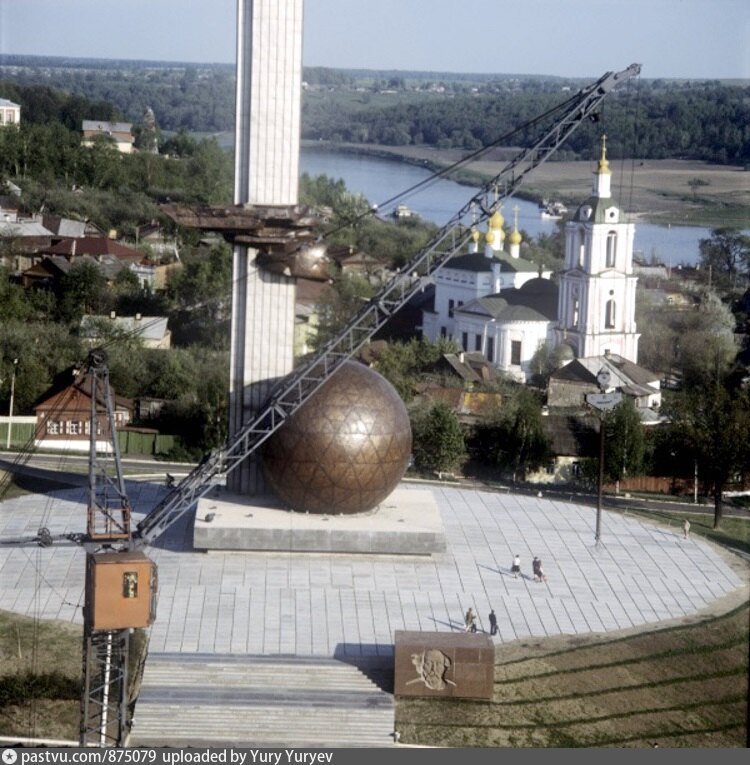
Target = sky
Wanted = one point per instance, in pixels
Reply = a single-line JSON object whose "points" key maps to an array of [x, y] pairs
{"points": [[694, 39]]}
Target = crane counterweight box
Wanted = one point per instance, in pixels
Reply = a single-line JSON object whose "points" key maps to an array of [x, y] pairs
{"points": [[123, 590]]}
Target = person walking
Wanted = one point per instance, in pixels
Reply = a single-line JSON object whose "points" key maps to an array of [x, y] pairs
{"points": [[515, 569], [536, 567], [470, 621], [493, 622], [686, 529]]}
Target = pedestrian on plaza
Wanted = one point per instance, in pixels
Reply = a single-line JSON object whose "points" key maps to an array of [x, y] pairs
{"points": [[470, 621], [536, 567], [686, 529], [493, 622], [515, 569]]}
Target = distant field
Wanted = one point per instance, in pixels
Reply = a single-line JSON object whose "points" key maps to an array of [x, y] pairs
{"points": [[658, 190]]}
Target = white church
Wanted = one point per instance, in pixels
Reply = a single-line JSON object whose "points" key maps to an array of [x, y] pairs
{"points": [[505, 307]]}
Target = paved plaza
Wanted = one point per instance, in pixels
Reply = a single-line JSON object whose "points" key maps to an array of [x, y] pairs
{"points": [[325, 605]]}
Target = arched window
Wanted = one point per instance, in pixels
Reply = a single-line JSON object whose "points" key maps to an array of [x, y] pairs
{"points": [[611, 248], [609, 314], [575, 312]]}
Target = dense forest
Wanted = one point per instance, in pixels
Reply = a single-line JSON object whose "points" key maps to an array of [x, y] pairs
{"points": [[652, 119]]}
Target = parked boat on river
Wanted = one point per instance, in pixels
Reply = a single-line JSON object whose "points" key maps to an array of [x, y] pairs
{"points": [[552, 210]]}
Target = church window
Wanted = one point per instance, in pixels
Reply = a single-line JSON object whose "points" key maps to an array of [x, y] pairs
{"points": [[574, 316], [581, 254], [451, 306], [515, 352], [609, 314], [465, 340], [477, 342], [443, 331], [490, 349], [611, 248]]}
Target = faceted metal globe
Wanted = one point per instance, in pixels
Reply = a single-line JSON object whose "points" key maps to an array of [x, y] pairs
{"points": [[345, 449]]}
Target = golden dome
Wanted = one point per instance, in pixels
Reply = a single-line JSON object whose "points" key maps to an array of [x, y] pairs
{"points": [[515, 237], [475, 235], [496, 221], [489, 237], [603, 162]]}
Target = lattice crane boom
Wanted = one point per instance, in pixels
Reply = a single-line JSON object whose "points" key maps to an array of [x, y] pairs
{"points": [[302, 383]]}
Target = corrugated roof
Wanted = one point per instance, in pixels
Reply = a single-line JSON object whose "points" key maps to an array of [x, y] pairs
{"points": [[623, 372], [147, 327], [64, 226], [111, 127], [534, 301], [94, 246], [23, 228], [471, 261]]}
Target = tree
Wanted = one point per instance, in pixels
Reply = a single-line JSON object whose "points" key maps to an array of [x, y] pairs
{"points": [[544, 362], [438, 439], [82, 290], [699, 343], [726, 252], [339, 303], [13, 303], [202, 289], [147, 138], [405, 364], [625, 444], [714, 423], [520, 441]]}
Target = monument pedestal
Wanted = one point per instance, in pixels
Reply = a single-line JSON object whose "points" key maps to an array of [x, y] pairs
{"points": [[408, 522]]}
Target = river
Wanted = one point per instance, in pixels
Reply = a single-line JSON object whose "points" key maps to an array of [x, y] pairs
{"points": [[381, 179]]}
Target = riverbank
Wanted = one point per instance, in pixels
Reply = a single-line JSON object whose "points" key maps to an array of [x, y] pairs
{"points": [[676, 192]]}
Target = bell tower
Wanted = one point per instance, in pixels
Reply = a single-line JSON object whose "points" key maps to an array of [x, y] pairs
{"points": [[596, 310]]}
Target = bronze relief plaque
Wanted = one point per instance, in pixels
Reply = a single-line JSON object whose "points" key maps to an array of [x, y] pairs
{"points": [[459, 665]]}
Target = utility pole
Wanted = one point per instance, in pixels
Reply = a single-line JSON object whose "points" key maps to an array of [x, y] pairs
{"points": [[604, 402], [695, 482], [12, 396]]}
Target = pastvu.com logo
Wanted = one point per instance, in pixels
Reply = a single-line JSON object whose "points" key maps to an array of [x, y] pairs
{"points": [[9, 756]]}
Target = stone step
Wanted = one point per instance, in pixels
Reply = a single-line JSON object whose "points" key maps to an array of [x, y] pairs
{"points": [[232, 700], [264, 677], [183, 727], [340, 698]]}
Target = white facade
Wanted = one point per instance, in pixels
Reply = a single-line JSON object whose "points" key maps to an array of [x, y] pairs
{"points": [[596, 311], [473, 275], [507, 344], [455, 286], [10, 113], [509, 327]]}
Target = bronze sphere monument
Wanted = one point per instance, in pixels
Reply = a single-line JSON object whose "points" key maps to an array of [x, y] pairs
{"points": [[345, 450]]}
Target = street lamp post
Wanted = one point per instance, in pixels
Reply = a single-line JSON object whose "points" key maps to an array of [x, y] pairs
{"points": [[12, 395], [604, 401]]}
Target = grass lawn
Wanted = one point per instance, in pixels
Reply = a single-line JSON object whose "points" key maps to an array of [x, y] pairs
{"points": [[733, 532], [40, 670], [683, 686]]}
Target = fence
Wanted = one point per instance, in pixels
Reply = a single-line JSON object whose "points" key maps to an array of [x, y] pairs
{"points": [[140, 442], [21, 431], [653, 484]]}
